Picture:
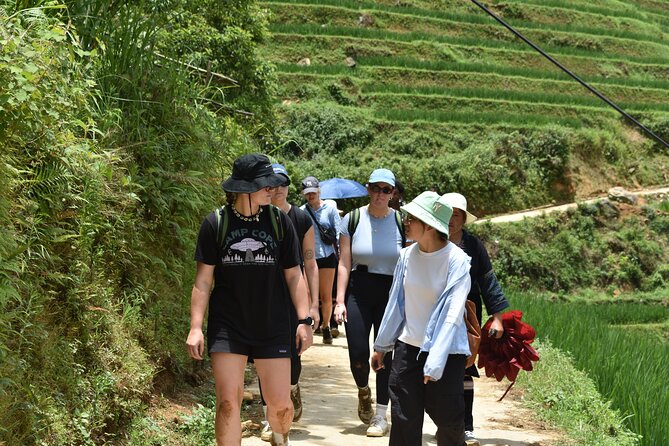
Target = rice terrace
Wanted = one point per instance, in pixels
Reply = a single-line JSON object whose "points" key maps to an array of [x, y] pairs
{"points": [[118, 121]]}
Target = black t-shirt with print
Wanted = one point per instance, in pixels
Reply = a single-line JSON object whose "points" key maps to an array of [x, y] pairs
{"points": [[302, 222], [250, 302]]}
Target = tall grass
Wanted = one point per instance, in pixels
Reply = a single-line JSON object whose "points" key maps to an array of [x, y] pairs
{"points": [[468, 67], [628, 366], [475, 118], [366, 64], [543, 97], [628, 11], [331, 48], [362, 33], [482, 19]]}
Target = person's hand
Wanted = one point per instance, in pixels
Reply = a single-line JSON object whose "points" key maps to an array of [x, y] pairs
{"points": [[304, 338], [195, 344], [316, 316], [427, 379], [377, 361], [340, 313], [496, 328]]}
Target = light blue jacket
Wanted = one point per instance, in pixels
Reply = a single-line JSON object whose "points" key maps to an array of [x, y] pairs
{"points": [[445, 333]]}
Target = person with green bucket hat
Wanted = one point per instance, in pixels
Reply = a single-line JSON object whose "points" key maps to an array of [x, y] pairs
{"points": [[424, 327]]}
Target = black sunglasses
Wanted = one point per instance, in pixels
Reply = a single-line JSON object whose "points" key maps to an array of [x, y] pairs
{"points": [[376, 189]]}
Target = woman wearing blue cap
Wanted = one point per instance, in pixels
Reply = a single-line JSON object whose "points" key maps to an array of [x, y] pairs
{"points": [[370, 242], [249, 252], [424, 327]]}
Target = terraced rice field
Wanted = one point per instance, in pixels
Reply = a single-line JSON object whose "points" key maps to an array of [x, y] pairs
{"points": [[447, 63], [611, 37]]}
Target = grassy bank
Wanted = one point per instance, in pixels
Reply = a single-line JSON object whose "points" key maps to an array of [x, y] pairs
{"points": [[626, 364]]}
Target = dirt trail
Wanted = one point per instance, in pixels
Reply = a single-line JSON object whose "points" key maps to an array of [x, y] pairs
{"points": [[518, 216], [330, 414]]}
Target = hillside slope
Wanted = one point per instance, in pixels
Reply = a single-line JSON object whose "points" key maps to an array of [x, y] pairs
{"points": [[444, 96]]}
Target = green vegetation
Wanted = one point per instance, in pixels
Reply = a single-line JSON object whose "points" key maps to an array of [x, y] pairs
{"points": [[626, 363], [111, 157], [595, 282], [424, 65], [567, 397], [591, 247], [118, 119]]}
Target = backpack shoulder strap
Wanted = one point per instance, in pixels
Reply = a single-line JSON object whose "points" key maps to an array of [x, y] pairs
{"points": [[276, 222], [353, 221], [400, 227], [222, 221]]}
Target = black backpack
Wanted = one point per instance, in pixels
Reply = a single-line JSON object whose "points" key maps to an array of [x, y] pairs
{"points": [[354, 219], [222, 220]]}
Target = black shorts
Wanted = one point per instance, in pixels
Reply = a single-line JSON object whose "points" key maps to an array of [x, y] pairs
{"points": [[327, 262], [255, 351]]}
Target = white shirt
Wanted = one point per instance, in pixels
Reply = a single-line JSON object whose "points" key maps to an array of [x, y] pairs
{"points": [[424, 281]]}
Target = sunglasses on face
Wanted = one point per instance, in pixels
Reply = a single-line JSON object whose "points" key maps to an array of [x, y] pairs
{"points": [[378, 190]]}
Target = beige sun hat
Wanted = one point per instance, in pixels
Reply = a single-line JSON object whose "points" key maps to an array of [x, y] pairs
{"points": [[429, 208], [456, 200]]}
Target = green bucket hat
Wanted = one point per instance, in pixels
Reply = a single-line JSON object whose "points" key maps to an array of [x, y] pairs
{"points": [[431, 209]]}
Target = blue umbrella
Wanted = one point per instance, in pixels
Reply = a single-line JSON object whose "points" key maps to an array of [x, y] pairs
{"points": [[341, 188]]}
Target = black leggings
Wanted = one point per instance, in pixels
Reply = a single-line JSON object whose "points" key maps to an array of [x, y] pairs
{"points": [[367, 296]]}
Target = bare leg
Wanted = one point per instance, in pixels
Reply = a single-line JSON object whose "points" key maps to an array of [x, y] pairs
{"points": [[274, 374], [325, 282], [228, 371]]}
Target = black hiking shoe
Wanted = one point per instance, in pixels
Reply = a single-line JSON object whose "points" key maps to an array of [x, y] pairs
{"points": [[327, 336]]}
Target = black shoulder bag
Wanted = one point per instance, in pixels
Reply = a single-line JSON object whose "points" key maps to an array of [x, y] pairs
{"points": [[328, 235]]}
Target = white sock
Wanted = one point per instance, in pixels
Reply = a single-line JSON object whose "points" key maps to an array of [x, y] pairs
{"points": [[264, 411], [381, 410]]}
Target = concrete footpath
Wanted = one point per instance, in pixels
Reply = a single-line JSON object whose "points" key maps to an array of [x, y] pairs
{"points": [[330, 401]]}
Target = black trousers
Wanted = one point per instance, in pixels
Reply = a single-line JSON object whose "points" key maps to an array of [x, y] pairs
{"points": [[366, 300], [411, 398]]}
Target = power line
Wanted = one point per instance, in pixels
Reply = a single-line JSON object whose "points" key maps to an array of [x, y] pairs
{"points": [[578, 79]]}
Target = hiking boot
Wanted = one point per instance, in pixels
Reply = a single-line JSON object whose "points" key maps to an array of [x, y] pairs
{"points": [[365, 409], [470, 440], [282, 440], [335, 332], [378, 427], [266, 432], [297, 402], [327, 336]]}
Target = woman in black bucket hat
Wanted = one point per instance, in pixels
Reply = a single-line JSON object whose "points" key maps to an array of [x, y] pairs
{"points": [[250, 253]]}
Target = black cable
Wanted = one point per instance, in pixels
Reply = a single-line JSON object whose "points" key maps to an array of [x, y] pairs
{"points": [[580, 81]]}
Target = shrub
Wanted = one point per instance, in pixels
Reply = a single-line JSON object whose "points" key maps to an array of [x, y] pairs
{"points": [[325, 129]]}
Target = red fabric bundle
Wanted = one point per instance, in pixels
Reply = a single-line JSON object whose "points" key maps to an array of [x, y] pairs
{"points": [[505, 357]]}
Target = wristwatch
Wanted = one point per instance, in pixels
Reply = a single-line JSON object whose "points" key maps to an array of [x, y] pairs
{"points": [[307, 321]]}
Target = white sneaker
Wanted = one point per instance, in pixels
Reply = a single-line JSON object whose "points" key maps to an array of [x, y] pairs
{"points": [[266, 432], [470, 439], [378, 427]]}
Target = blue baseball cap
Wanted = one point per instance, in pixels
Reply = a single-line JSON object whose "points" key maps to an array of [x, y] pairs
{"points": [[279, 169], [382, 176]]}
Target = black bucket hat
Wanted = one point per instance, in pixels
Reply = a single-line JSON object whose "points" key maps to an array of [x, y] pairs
{"points": [[250, 173]]}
